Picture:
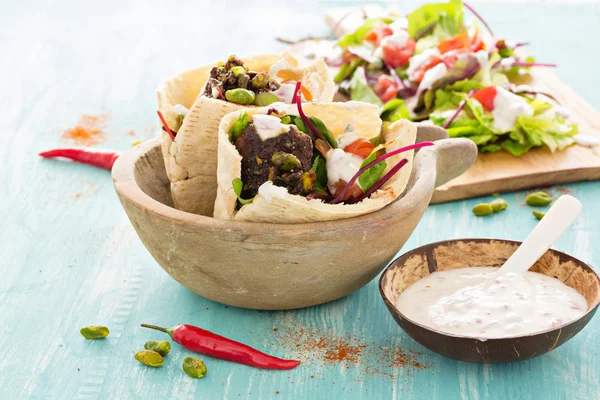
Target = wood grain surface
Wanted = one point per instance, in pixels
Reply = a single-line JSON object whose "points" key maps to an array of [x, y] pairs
{"points": [[70, 256]]}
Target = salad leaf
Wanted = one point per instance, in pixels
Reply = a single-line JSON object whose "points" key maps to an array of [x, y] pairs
{"points": [[465, 85], [358, 36], [324, 131], [447, 16], [320, 169], [490, 148], [394, 110], [515, 148], [370, 177], [360, 89], [238, 186], [447, 100], [347, 70], [552, 132]]}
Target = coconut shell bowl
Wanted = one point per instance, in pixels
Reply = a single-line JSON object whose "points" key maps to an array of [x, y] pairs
{"points": [[278, 266], [462, 253]]}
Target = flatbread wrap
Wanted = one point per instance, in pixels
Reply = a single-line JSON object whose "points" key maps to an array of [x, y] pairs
{"points": [[191, 105], [274, 168]]}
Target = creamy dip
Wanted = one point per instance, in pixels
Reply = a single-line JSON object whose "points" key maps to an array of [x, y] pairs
{"points": [[507, 107], [341, 166], [477, 302]]}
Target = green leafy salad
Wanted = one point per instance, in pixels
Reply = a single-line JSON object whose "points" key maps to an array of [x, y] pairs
{"points": [[432, 66]]}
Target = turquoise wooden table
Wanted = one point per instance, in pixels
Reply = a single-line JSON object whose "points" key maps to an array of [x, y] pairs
{"points": [[71, 257]]}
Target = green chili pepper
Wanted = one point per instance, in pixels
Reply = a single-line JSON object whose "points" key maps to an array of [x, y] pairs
{"points": [[240, 96], [538, 199], [93, 332], [162, 347], [194, 367], [150, 358]]}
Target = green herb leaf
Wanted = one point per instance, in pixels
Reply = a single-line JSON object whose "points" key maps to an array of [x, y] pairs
{"points": [[346, 70], [317, 123], [238, 186], [358, 36], [515, 148], [360, 89], [370, 177], [320, 169], [447, 16], [394, 110], [238, 127]]}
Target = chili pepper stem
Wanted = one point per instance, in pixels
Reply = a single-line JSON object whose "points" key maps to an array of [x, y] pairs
{"points": [[168, 331]]}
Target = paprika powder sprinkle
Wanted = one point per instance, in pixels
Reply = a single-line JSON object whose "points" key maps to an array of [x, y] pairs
{"points": [[88, 131]]}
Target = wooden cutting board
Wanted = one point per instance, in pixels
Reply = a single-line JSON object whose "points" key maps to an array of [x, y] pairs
{"points": [[501, 172]]}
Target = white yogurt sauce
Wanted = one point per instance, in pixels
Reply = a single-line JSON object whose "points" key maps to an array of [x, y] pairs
{"points": [[507, 107], [586, 140], [268, 191], [431, 76], [477, 302], [268, 126], [179, 109], [399, 23], [419, 59], [482, 58], [348, 137], [341, 166], [285, 93]]}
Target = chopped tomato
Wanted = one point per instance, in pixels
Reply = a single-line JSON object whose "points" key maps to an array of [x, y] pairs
{"points": [[486, 97], [353, 191], [396, 56], [460, 41], [361, 147], [477, 44], [386, 88], [377, 33], [426, 66]]}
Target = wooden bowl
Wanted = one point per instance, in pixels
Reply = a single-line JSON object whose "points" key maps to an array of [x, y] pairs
{"points": [[462, 253], [277, 266]]}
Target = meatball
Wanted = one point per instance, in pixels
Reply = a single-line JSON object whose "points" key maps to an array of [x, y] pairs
{"points": [[261, 160]]}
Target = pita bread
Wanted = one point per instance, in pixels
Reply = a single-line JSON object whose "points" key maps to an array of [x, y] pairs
{"points": [[288, 208], [191, 160]]}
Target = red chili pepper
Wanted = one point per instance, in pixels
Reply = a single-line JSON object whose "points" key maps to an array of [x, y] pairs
{"points": [[97, 158], [204, 342]]}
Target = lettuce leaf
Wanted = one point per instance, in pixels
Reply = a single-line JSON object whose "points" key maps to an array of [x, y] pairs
{"points": [[447, 18], [358, 36], [550, 131], [360, 90], [370, 177], [347, 70], [515, 148], [394, 110]]}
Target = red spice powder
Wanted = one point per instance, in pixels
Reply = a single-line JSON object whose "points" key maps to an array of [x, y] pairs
{"points": [[88, 131], [331, 349]]}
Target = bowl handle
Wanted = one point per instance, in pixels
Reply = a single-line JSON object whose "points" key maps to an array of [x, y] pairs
{"points": [[454, 157]]}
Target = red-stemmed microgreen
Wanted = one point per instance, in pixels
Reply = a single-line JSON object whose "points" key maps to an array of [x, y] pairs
{"points": [[479, 18], [165, 126], [392, 153], [298, 102], [381, 181], [461, 105]]}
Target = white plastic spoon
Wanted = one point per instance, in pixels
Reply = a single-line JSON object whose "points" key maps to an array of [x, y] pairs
{"points": [[556, 221]]}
